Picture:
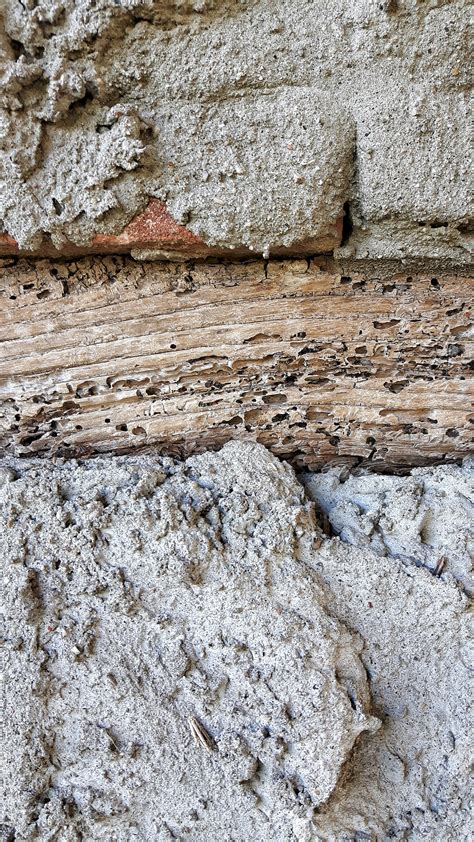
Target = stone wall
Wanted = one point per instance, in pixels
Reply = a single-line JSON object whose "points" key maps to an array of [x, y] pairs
{"points": [[250, 126]]}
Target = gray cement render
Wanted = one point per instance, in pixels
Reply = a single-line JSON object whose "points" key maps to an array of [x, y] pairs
{"points": [[424, 519], [331, 678], [254, 121]]}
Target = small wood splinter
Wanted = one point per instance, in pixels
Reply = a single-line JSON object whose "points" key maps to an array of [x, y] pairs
{"points": [[201, 736], [440, 566]]}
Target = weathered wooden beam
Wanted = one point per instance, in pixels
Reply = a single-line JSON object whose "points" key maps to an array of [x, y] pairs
{"points": [[110, 354]]}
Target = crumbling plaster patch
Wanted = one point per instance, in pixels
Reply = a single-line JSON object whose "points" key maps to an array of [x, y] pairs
{"points": [[142, 591], [423, 519], [144, 595]]}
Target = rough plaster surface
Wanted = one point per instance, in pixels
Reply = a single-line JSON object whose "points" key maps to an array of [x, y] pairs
{"points": [[255, 122], [424, 519], [142, 591]]}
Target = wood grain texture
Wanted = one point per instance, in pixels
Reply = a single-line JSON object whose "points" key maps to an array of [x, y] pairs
{"points": [[107, 354]]}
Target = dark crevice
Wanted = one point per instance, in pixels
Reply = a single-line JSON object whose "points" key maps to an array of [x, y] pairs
{"points": [[80, 103], [347, 224]]}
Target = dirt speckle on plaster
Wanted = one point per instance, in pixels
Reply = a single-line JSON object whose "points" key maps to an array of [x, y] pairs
{"points": [[254, 122], [141, 592]]}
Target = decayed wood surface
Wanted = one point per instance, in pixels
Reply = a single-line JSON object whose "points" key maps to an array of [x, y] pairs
{"points": [[106, 354]]}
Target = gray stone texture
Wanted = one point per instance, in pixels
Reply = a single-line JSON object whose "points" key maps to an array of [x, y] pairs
{"points": [[254, 121]]}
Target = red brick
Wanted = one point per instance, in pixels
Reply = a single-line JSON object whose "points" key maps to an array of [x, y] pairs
{"points": [[156, 230]]}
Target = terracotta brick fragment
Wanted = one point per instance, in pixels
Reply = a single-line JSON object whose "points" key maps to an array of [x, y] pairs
{"points": [[155, 230]]}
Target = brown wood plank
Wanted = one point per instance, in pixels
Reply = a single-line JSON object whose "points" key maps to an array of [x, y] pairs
{"points": [[103, 353]]}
